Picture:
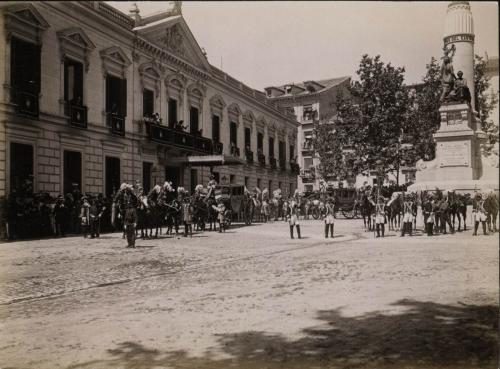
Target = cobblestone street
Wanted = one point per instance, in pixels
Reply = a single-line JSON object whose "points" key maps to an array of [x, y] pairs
{"points": [[251, 298]]}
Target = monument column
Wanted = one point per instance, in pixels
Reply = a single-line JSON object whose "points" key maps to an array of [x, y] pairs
{"points": [[459, 34]]}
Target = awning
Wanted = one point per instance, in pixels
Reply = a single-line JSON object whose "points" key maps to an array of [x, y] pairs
{"points": [[212, 160]]}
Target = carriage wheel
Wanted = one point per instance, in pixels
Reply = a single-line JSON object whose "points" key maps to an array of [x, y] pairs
{"points": [[349, 213]]}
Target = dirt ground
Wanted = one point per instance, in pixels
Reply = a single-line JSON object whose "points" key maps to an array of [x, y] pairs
{"points": [[252, 298]]}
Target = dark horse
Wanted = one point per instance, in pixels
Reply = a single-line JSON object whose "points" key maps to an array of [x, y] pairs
{"points": [[367, 210], [491, 207], [395, 208], [458, 209], [248, 208]]}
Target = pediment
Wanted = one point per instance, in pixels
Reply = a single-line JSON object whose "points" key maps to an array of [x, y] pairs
{"points": [[27, 13], [217, 101], [249, 116], [77, 36], [174, 36], [150, 69], [117, 55], [234, 109]]}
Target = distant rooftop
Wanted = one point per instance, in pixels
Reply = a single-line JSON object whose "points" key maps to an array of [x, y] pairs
{"points": [[304, 88]]}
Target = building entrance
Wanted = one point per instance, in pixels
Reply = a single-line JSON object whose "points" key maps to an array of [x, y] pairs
{"points": [[72, 170], [173, 174], [21, 166], [112, 175]]}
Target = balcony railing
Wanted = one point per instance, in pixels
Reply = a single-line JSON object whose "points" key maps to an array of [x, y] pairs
{"points": [[77, 115], [235, 151], [116, 123], [27, 102], [249, 156], [282, 164], [272, 162], [307, 175], [295, 168], [262, 159], [169, 136], [218, 148]]}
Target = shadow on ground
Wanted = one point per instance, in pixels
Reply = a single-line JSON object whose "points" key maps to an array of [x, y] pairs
{"points": [[425, 335]]}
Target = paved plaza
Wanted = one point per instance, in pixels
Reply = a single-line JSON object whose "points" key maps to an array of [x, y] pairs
{"points": [[251, 298]]}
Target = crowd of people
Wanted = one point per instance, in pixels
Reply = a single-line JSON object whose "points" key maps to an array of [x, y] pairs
{"points": [[138, 214]]}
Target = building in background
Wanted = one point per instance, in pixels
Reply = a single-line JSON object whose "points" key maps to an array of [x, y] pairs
{"points": [[311, 101], [94, 97]]}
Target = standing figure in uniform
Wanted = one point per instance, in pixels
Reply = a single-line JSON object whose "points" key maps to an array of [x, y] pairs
{"points": [[187, 216], [129, 224], [329, 217], [428, 210], [444, 209], [85, 216], [479, 213], [379, 215], [408, 215], [60, 216], [293, 218]]}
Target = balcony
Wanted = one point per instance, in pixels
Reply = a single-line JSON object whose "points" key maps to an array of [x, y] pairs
{"points": [[295, 168], [249, 156], [262, 159], [235, 151], [218, 148], [27, 102], [116, 123], [307, 146], [272, 162], [77, 115], [282, 164], [174, 137], [308, 175]]}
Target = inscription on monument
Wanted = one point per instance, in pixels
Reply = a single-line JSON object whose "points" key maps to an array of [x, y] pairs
{"points": [[454, 154], [454, 118]]}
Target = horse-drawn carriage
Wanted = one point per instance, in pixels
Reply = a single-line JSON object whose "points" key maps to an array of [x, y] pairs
{"points": [[348, 201], [232, 197]]}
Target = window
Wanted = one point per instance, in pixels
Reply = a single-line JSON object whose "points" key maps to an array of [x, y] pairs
{"points": [[21, 165], [260, 141], [308, 162], [259, 183], [116, 95], [288, 89], [194, 120], [291, 189], [173, 174], [308, 188], [308, 112], [279, 185], [292, 150], [232, 178], [233, 133], [148, 103], [147, 169], [248, 138], [270, 188], [112, 175], [194, 179], [271, 147], [73, 82], [72, 170], [215, 128], [25, 76], [247, 181], [216, 176], [172, 112], [282, 150]]}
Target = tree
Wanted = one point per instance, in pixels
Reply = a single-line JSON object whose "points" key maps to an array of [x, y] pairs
{"points": [[485, 103], [365, 134], [424, 117]]}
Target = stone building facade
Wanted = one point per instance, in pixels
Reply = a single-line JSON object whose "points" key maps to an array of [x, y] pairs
{"points": [[78, 80], [311, 101]]}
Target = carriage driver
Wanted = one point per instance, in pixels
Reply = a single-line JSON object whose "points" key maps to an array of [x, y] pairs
{"points": [[329, 218]]}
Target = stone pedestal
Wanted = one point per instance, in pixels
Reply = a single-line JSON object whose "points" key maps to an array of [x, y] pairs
{"points": [[459, 164]]}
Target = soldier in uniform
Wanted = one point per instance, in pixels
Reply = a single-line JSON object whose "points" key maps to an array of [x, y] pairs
{"points": [[130, 222], [85, 216], [60, 216], [444, 210], [428, 210], [379, 215], [408, 215], [293, 218], [329, 217], [479, 213]]}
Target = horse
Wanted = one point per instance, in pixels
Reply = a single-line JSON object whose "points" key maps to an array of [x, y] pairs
{"points": [[156, 204], [395, 208], [211, 214], [491, 207], [458, 209], [367, 209]]}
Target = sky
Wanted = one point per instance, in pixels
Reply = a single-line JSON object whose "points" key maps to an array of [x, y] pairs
{"points": [[271, 43]]}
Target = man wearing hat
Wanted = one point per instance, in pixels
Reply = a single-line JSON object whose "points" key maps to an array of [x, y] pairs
{"points": [[428, 210], [329, 217], [479, 213], [60, 216]]}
